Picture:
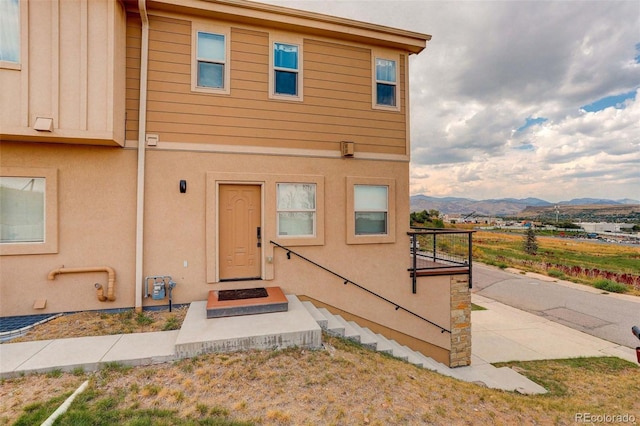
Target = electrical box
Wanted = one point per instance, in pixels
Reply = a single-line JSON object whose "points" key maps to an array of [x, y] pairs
{"points": [[159, 291]]}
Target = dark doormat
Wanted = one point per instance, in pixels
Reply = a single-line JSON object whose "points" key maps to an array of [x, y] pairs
{"points": [[247, 293]]}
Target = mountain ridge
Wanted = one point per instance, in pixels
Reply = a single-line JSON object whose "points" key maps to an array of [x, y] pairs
{"points": [[500, 206]]}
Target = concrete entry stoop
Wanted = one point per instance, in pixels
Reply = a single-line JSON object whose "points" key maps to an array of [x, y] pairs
{"points": [[274, 330], [485, 374]]}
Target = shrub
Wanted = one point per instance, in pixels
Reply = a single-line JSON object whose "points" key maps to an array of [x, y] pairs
{"points": [[556, 273], [610, 286]]}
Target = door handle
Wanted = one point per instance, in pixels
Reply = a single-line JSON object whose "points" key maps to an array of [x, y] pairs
{"points": [[259, 236]]}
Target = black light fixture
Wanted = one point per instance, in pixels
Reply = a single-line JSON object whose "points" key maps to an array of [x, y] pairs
{"points": [[183, 186]]}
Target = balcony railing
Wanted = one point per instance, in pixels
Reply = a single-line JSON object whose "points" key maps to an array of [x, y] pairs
{"points": [[436, 251]]}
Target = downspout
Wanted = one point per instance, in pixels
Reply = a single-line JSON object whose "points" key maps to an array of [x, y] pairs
{"points": [[142, 130]]}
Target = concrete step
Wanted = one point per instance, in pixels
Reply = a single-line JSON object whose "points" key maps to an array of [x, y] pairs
{"points": [[334, 327], [366, 340], [433, 365], [349, 332], [486, 374], [396, 350], [381, 345], [316, 314], [276, 330]]}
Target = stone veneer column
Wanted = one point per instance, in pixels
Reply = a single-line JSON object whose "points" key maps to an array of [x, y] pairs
{"points": [[460, 321]]}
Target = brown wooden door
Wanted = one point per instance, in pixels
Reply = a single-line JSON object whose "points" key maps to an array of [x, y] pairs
{"points": [[240, 219]]}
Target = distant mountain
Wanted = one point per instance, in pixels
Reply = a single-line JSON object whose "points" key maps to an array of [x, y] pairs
{"points": [[628, 201], [497, 207]]}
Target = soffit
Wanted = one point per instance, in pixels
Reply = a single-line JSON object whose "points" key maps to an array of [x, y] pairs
{"points": [[252, 13]]}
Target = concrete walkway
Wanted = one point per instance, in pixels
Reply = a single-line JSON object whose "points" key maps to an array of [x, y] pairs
{"points": [[503, 333], [500, 333]]}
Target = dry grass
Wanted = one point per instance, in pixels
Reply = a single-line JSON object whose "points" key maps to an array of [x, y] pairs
{"points": [[343, 384], [100, 323]]}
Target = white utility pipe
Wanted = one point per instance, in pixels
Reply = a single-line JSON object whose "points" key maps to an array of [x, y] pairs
{"points": [[142, 131], [65, 405]]}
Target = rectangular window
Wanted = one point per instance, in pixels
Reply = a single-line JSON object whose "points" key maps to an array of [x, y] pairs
{"points": [[285, 68], [10, 31], [22, 210], [296, 207], [371, 206], [211, 58], [386, 82]]}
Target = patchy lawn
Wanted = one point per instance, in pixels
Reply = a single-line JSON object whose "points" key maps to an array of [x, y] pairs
{"points": [[342, 384]]}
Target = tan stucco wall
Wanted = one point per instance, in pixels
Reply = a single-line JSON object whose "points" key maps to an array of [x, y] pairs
{"points": [[96, 210], [96, 227], [176, 227]]}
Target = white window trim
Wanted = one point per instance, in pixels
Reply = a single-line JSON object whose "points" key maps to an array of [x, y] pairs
{"points": [[286, 39], [390, 236], [196, 28], [50, 244], [314, 211], [374, 82]]}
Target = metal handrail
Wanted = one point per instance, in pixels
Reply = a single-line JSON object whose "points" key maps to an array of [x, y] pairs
{"points": [[468, 263], [348, 281]]}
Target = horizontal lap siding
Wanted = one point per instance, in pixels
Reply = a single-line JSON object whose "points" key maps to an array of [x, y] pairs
{"points": [[336, 106]]}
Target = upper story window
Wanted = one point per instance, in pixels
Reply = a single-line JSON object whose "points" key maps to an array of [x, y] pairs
{"points": [[211, 60], [386, 83], [285, 80], [10, 31], [296, 209], [210, 66], [285, 67]]}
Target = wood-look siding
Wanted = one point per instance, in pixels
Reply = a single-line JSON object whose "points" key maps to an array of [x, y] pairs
{"points": [[337, 95], [134, 39]]}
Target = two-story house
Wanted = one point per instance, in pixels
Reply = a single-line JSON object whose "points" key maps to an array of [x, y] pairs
{"points": [[193, 139]]}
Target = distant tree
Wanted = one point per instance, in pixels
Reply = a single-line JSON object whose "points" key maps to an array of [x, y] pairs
{"points": [[530, 242], [428, 219]]}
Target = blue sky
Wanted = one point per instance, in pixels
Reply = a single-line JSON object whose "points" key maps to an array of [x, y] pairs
{"points": [[518, 98]]}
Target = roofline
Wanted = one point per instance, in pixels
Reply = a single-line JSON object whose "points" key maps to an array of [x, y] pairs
{"points": [[251, 12]]}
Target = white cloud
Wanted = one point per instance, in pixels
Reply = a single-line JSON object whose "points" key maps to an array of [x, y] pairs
{"points": [[493, 64]]}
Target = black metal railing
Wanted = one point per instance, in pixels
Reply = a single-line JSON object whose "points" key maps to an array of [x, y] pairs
{"points": [[440, 251], [348, 281]]}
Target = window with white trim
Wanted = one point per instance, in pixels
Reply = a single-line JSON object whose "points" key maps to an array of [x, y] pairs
{"points": [[371, 210], [285, 69], [211, 60], [286, 66], [22, 209], [386, 77], [371, 207], [10, 31], [28, 210], [296, 206]]}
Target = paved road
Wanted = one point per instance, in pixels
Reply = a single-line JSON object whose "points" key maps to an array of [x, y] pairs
{"points": [[607, 316]]}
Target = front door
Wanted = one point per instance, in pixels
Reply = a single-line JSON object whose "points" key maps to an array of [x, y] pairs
{"points": [[240, 232]]}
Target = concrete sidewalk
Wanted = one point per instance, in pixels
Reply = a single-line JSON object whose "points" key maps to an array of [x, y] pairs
{"points": [[503, 333], [500, 333]]}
